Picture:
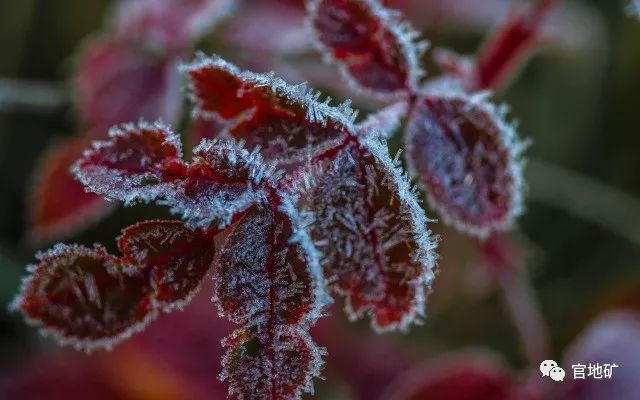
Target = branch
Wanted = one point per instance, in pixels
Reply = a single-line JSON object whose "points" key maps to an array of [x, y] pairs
{"points": [[31, 95], [585, 198]]}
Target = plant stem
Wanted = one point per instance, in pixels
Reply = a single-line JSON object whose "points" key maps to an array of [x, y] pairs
{"points": [[503, 260]]}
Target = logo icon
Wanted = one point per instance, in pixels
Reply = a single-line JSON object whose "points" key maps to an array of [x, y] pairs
{"points": [[551, 369]]}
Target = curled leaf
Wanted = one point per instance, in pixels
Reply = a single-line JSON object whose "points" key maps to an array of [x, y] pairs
{"points": [[131, 165], [90, 299], [269, 280], [467, 158], [223, 180], [143, 163], [287, 122], [85, 297], [375, 49]]}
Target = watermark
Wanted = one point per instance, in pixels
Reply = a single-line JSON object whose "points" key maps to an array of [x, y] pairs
{"points": [[551, 369], [595, 371]]}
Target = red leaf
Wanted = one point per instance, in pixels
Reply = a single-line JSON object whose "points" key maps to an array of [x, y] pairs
{"points": [[131, 165], [178, 257], [142, 163], [86, 297], [466, 378], [269, 281], [374, 48], [91, 299], [467, 158], [169, 25], [377, 249], [287, 122], [223, 180], [58, 203], [117, 82]]}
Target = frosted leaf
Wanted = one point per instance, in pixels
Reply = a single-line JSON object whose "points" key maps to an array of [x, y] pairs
{"points": [[130, 166], [85, 297], [222, 180], [372, 232], [467, 158], [269, 280], [260, 274], [286, 121], [259, 365], [58, 204], [168, 25], [143, 163], [179, 258], [117, 82], [374, 47]]}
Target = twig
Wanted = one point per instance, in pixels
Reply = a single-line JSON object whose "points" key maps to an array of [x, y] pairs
{"points": [[585, 198], [31, 96]]}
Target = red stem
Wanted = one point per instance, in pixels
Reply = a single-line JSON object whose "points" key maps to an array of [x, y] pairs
{"points": [[511, 43]]}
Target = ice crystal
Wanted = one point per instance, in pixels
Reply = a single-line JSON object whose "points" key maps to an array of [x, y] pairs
{"points": [[85, 298], [90, 299], [467, 158], [375, 49], [385, 122], [265, 282], [377, 250], [286, 121], [143, 163], [179, 258]]}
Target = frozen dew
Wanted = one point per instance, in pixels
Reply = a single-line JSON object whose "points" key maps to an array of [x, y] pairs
{"points": [[373, 236], [268, 280], [376, 50], [85, 298], [287, 122], [179, 258], [467, 158]]}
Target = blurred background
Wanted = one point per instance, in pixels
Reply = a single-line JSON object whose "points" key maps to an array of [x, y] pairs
{"points": [[577, 99]]}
